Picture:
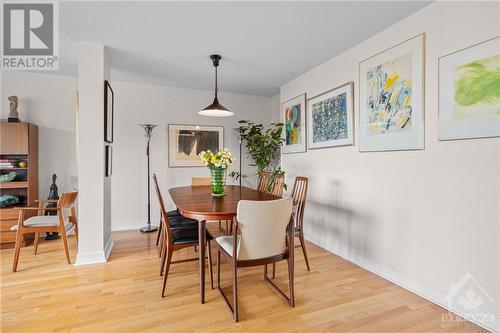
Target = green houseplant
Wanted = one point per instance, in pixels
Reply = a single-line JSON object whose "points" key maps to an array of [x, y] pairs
{"points": [[263, 144]]}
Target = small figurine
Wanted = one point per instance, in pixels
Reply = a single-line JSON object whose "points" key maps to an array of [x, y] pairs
{"points": [[13, 114], [53, 195]]}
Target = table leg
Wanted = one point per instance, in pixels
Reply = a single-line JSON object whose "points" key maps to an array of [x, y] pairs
{"points": [[201, 243]]}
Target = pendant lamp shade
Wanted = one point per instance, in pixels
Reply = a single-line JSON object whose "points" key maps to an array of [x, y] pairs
{"points": [[215, 109]]}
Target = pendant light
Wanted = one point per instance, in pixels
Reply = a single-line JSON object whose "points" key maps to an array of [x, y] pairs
{"points": [[215, 109]]}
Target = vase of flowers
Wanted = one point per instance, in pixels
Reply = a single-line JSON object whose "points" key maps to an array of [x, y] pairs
{"points": [[218, 163]]}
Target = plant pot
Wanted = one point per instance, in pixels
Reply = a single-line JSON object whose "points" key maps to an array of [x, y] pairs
{"points": [[218, 176]]}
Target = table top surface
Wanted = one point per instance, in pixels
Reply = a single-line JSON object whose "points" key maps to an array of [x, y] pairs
{"points": [[197, 202]]}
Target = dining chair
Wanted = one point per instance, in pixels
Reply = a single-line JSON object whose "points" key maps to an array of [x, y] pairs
{"points": [[299, 195], [46, 223], [263, 234], [177, 239], [271, 184]]}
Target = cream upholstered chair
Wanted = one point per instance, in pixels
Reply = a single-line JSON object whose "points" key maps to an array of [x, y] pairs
{"points": [[50, 223], [263, 234]]}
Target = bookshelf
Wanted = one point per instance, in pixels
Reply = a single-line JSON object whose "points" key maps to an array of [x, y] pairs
{"points": [[19, 143]]}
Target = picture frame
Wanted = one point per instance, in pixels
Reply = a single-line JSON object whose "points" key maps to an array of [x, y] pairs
{"points": [[330, 118], [108, 158], [185, 142], [463, 114], [391, 98], [293, 116], [109, 109]]}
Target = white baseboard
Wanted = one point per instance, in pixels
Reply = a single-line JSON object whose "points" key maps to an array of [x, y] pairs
{"points": [[430, 293], [95, 257]]}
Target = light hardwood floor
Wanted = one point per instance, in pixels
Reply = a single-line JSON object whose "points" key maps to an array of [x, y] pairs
{"points": [[123, 295]]}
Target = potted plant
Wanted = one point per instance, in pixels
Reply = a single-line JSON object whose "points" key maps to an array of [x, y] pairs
{"points": [[263, 144], [218, 163]]}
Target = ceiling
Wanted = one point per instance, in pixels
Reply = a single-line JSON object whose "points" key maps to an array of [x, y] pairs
{"points": [[263, 44]]}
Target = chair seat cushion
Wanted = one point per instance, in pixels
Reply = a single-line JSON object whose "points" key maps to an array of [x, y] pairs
{"points": [[226, 242], [186, 236], [41, 221], [181, 222], [173, 213]]}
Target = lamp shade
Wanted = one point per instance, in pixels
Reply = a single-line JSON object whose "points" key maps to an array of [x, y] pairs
{"points": [[215, 110]]}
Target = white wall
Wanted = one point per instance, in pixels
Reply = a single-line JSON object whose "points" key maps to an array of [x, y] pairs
{"points": [[140, 103], [420, 218], [47, 101]]}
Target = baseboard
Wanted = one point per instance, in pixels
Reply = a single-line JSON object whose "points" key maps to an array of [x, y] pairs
{"points": [[487, 319], [95, 257]]}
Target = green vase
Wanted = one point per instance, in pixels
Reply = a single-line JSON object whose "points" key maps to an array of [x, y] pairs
{"points": [[218, 181]]}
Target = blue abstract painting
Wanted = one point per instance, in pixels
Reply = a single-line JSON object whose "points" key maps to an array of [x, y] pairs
{"points": [[329, 119]]}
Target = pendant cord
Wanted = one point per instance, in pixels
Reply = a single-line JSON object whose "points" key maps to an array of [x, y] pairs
{"points": [[216, 82]]}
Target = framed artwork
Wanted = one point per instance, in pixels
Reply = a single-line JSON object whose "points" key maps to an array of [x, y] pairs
{"points": [[391, 98], [330, 118], [185, 142], [293, 115], [108, 158], [109, 108], [469, 92]]}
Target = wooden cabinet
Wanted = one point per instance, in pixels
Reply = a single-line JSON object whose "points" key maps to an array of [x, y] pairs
{"points": [[19, 141]]}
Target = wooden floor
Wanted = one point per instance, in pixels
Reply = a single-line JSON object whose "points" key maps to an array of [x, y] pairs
{"points": [[123, 295]]}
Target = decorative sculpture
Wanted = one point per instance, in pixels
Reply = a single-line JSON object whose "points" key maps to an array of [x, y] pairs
{"points": [[13, 114], [53, 195]]}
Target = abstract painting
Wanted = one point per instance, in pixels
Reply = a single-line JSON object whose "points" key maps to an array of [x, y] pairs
{"points": [[469, 92], [330, 118], [391, 98], [293, 115], [187, 141]]}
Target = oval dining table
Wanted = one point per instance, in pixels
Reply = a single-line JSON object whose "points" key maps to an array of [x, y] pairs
{"points": [[197, 202]]}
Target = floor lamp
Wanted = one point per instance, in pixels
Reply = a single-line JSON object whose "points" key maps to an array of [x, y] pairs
{"points": [[148, 129]]}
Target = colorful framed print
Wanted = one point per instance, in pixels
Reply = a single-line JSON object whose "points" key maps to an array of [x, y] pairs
{"points": [[293, 116], [469, 92], [330, 118], [185, 142], [391, 98]]}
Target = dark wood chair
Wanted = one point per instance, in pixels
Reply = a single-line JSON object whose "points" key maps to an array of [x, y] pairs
{"points": [[50, 223], [263, 234], [271, 184], [177, 239]]}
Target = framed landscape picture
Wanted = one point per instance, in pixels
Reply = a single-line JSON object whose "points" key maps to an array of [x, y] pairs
{"points": [[391, 98], [109, 105], [185, 142], [469, 92], [293, 115], [330, 118]]}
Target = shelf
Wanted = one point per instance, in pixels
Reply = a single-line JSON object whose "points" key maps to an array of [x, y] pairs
{"points": [[14, 184]]}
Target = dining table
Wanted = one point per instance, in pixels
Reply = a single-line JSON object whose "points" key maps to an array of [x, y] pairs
{"points": [[198, 203]]}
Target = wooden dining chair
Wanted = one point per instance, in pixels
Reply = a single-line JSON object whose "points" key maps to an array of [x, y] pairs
{"points": [[177, 239], [299, 195], [46, 223], [263, 234], [271, 184]]}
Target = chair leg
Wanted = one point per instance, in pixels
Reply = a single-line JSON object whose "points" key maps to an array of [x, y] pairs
{"points": [[76, 232], [19, 237], [291, 283], [218, 268], [274, 270], [163, 258], [235, 292], [160, 243], [227, 228], [62, 231], [303, 246], [210, 265], [165, 274], [35, 243], [159, 232]]}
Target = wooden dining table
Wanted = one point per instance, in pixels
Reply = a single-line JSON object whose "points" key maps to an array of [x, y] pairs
{"points": [[197, 202]]}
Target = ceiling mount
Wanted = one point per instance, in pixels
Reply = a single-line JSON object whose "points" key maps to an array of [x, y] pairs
{"points": [[215, 59]]}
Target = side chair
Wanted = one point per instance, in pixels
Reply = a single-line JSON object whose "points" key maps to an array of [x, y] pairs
{"points": [[50, 223]]}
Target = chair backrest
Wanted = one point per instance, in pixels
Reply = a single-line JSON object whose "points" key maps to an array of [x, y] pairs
{"points": [[164, 217], [201, 181], [67, 200], [262, 227], [271, 184], [299, 195]]}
